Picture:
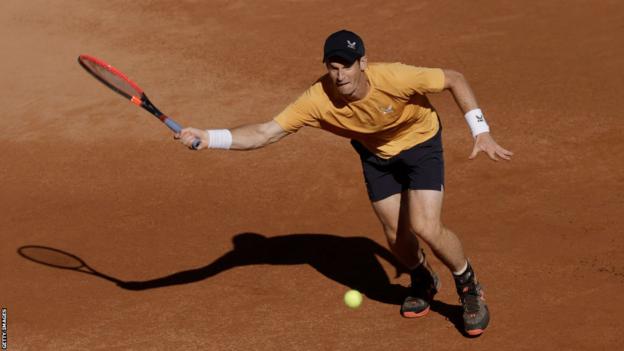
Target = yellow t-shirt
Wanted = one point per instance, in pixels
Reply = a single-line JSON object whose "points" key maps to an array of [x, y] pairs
{"points": [[394, 116]]}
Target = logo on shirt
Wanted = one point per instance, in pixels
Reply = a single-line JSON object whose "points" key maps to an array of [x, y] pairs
{"points": [[351, 44], [386, 110]]}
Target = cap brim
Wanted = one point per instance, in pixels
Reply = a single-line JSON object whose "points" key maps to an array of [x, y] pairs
{"points": [[348, 56]]}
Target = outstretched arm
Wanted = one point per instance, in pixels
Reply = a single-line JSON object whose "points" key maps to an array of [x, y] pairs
{"points": [[463, 95], [246, 137]]}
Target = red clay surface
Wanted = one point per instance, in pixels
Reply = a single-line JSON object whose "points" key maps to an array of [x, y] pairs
{"points": [[85, 172]]}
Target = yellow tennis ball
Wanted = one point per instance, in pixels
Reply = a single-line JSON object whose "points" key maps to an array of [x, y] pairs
{"points": [[353, 298]]}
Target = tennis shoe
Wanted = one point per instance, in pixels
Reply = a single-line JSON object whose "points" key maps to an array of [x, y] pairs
{"points": [[476, 314], [425, 284]]}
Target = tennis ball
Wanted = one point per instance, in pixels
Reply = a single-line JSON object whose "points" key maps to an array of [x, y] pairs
{"points": [[353, 298]]}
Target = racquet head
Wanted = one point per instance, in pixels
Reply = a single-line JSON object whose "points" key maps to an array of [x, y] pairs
{"points": [[111, 77], [51, 257]]}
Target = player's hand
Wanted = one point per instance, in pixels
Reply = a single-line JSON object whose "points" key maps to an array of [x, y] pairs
{"points": [[484, 142], [188, 135]]}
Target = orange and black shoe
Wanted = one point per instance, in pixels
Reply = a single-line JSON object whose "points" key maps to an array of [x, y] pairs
{"points": [[425, 285], [476, 314]]}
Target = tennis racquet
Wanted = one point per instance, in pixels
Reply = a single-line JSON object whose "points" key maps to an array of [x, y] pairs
{"points": [[120, 83]]}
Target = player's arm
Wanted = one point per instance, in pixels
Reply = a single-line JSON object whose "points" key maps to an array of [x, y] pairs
{"points": [[245, 137], [465, 99]]}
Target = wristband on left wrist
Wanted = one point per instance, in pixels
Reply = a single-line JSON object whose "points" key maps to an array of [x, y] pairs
{"points": [[476, 122]]}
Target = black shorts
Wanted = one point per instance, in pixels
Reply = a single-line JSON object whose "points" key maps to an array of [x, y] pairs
{"points": [[421, 167]]}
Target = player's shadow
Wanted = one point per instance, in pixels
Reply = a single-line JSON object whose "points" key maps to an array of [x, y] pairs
{"points": [[453, 313], [350, 261]]}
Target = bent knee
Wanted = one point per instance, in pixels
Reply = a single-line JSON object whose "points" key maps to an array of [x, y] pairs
{"points": [[391, 234], [428, 230]]}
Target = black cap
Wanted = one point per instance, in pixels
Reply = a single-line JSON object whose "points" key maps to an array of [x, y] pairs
{"points": [[344, 44]]}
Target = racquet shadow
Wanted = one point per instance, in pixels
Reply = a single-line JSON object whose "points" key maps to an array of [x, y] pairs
{"points": [[350, 261]]}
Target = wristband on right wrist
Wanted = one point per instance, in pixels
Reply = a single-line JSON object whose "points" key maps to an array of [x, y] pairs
{"points": [[476, 121], [219, 138]]}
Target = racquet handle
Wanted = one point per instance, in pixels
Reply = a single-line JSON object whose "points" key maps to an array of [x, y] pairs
{"points": [[176, 129], [195, 144]]}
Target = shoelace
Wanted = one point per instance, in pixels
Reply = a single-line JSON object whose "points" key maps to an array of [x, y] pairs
{"points": [[471, 299]]}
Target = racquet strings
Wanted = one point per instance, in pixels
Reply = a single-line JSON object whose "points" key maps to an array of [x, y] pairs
{"points": [[110, 76], [51, 257]]}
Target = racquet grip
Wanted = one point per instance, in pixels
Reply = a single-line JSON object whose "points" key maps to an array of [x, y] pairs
{"points": [[196, 143], [175, 127], [172, 125]]}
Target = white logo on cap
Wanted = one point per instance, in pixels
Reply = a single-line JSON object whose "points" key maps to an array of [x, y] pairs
{"points": [[351, 45]]}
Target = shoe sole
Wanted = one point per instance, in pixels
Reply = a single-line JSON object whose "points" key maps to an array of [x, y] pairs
{"points": [[409, 314], [437, 284]]}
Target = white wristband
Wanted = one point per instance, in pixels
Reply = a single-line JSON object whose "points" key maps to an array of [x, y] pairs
{"points": [[477, 122], [219, 138]]}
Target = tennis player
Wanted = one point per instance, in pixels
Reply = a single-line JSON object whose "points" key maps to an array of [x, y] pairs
{"points": [[384, 110]]}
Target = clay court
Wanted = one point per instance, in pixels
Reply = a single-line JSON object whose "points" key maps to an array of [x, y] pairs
{"points": [[85, 172]]}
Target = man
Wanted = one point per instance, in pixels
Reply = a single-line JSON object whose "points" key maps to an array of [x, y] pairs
{"points": [[383, 109]]}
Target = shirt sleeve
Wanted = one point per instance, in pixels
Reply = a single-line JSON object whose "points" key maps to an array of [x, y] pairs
{"points": [[412, 80], [302, 112]]}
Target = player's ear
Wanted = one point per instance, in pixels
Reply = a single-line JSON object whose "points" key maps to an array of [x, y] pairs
{"points": [[363, 63]]}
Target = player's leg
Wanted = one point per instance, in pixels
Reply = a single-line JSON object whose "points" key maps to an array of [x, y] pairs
{"points": [[384, 192], [393, 217], [393, 213], [425, 168], [425, 208]]}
